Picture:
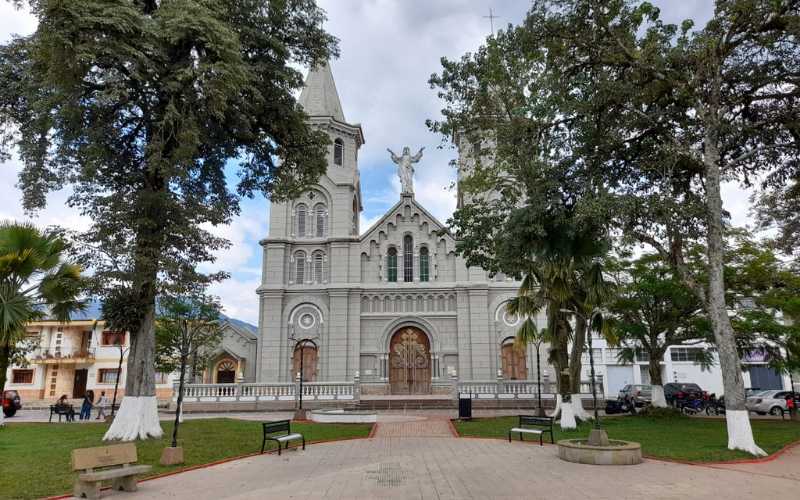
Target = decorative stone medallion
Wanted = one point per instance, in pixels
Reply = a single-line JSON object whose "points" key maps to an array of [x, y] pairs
{"points": [[510, 319], [307, 321]]}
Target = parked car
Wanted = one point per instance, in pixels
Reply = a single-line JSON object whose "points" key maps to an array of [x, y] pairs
{"points": [[772, 402], [640, 393], [11, 403], [684, 391], [751, 391]]}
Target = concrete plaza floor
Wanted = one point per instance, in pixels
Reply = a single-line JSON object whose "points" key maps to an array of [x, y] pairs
{"points": [[414, 455]]}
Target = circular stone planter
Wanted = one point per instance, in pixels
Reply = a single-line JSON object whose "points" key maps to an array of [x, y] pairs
{"points": [[339, 416], [579, 451]]}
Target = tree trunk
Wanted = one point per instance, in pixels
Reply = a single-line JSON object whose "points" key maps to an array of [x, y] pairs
{"points": [[575, 366], [656, 382], [5, 354], [179, 409], [562, 367], [740, 433], [138, 412]]}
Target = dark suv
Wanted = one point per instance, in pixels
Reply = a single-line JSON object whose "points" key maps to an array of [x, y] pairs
{"points": [[682, 390], [11, 403]]}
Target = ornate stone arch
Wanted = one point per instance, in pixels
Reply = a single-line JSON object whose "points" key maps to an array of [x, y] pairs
{"points": [[414, 321], [310, 301]]}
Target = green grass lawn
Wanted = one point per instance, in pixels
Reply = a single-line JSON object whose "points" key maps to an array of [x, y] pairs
{"points": [[682, 438], [35, 458]]}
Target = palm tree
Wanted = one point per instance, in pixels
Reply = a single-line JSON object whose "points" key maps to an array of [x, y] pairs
{"points": [[564, 273], [36, 280]]}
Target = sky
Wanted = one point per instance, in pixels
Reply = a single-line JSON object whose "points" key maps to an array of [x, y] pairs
{"points": [[389, 49]]}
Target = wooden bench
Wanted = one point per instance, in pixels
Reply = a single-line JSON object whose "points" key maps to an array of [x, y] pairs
{"points": [[546, 424], [280, 426], [119, 456], [61, 410]]}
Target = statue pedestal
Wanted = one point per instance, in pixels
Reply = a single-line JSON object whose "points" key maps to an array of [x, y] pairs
{"points": [[598, 437]]}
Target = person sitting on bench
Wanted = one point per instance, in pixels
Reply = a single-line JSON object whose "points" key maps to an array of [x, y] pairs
{"points": [[62, 401]]}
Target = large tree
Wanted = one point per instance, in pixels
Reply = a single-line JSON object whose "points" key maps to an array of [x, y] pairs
{"points": [[654, 118], [139, 105], [37, 280], [655, 310]]}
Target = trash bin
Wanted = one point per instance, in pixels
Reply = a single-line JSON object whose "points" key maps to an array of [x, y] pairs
{"points": [[464, 406]]}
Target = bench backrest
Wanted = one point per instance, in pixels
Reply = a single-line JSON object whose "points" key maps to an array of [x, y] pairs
{"points": [[103, 456], [279, 426], [533, 420]]}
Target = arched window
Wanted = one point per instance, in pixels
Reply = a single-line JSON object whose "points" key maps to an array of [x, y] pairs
{"points": [[226, 372], [318, 258], [300, 267], [391, 265], [476, 149], [301, 220], [338, 152], [319, 218], [408, 259], [424, 267]]}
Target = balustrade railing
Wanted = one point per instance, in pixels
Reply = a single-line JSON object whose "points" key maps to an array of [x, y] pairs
{"points": [[515, 389], [257, 392], [58, 352]]}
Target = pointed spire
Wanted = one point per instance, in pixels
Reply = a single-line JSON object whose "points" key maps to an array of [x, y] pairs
{"points": [[319, 97]]}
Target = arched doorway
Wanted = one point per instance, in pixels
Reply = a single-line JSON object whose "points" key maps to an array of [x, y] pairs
{"points": [[513, 361], [308, 350], [226, 372], [410, 361]]}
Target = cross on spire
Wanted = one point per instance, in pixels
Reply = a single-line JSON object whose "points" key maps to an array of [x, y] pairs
{"points": [[491, 17]]}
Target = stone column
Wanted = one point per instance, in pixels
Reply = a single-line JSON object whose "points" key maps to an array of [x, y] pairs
{"points": [[337, 336], [464, 345], [479, 333]]}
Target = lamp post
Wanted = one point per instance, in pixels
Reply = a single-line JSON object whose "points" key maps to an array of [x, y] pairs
{"points": [[591, 356], [539, 409], [118, 343]]}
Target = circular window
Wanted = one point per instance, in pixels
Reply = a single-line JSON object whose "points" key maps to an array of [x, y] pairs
{"points": [[307, 321], [510, 319]]}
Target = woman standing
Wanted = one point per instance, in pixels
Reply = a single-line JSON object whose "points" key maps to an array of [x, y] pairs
{"points": [[86, 407]]}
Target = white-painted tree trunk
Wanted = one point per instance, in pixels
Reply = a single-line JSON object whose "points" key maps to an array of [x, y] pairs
{"points": [[659, 401], [740, 434], [568, 417], [557, 411], [580, 412], [2, 419], [136, 419], [138, 412]]}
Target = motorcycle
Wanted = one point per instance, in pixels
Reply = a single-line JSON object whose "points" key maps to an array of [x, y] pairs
{"points": [[692, 407], [624, 405], [715, 406]]}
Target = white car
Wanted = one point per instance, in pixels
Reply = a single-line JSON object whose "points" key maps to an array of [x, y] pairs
{"points": [[772, 402]]}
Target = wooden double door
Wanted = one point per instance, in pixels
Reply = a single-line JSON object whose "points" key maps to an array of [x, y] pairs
{"points": [[410, 362], [307, 352], [513, 362]]}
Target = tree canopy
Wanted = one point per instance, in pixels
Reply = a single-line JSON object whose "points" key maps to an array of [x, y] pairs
{"points": [[635, 124], [139, 107]]}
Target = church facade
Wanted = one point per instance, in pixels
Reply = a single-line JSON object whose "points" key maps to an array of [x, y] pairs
{"points": [[394, 304]]}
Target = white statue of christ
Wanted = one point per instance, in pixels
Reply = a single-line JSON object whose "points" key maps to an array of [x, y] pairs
{"points": [[405, 169]]}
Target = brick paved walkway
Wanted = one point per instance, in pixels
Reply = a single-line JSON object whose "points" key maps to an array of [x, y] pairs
{"points": [[449, 468], [425, 428]]}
